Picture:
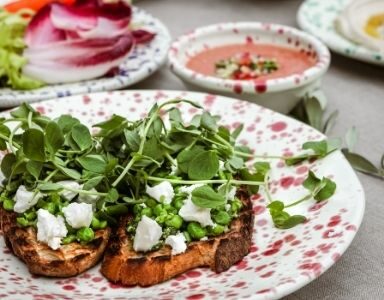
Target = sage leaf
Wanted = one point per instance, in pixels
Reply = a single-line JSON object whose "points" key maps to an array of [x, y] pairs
{"points": [[314, 112], [204, 196], [330, 122], [33, 144], [361, 164], [351, 138]]}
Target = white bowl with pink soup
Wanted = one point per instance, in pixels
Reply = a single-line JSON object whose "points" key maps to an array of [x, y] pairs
{"points": [[269, 64]]}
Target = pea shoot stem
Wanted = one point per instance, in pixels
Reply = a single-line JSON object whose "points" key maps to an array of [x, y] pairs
{"points": [[170, 158], [211, 181], [125, 171], [29, 120], [266, 187], [85, 192], [144, 137], [10, 139], [306, 197]]}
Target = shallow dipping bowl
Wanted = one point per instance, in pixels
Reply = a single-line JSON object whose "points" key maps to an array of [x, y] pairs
{"points": [[280, 94]]}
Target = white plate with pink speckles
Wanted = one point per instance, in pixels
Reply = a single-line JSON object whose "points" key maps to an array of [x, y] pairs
{"points": [[280, 262]]}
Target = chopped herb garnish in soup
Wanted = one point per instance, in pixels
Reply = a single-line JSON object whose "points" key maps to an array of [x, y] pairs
{"points": [[245, 66], [252, 61]]}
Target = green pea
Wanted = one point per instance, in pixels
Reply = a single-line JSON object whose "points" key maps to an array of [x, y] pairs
{"points": [[131, 229], [137, 209], [68, 239], [8, 204], [103, 224], [217, 230], [40, 203], [172, 210], [161, 219], [30, 216], [222, 218], [85, 234], [146, 211], [167, 207], [187, 236], [97, 224], [196, 231], [51, 207], [2, 198], [22, 221], [175, 221], [236, 206], [159, 210], [178, 203], [55, 197], [151, 202]]}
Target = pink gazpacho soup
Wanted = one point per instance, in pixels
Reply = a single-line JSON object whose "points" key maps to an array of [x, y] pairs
{"points": [[251, 62]]}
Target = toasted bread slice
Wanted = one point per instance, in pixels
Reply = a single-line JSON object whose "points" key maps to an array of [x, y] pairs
{"points": [[69, 260], [123, 265]]}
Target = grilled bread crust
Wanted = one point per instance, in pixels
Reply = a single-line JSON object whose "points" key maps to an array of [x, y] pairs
{"points": [[123, 265], [69, 260]]}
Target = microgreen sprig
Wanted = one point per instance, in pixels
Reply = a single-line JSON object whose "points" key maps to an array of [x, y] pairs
{"points": [[117, 163]]}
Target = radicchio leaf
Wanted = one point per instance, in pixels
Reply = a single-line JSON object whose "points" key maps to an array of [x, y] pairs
{"points": [[79, 42]]}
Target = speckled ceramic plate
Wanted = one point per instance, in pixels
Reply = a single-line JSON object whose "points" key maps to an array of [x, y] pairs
{"points": [[142, 62], [318, 18], [280, 262]]}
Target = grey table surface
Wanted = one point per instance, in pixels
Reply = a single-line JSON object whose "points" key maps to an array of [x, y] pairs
{"points": [[354, 88]]}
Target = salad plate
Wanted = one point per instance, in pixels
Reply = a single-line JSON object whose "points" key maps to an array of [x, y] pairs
{"points": [[318, 18], [280, 261], [142, 61]]}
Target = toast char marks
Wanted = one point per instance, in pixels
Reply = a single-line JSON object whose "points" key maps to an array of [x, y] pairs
{"points": [[123, 265], [69, 260]]}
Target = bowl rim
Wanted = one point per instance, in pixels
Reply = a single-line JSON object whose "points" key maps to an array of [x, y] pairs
{"points": [[249, 86]]}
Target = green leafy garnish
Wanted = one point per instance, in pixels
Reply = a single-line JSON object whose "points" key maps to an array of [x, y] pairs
{"points": [[12, 28], [281, 218], [205, 196], [319, 189]]}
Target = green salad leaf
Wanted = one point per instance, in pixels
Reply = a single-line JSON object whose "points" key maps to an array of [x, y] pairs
{"points": [[12, 28]]}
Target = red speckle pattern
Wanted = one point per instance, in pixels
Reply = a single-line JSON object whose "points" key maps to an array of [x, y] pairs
{"points": [[279, 260]]}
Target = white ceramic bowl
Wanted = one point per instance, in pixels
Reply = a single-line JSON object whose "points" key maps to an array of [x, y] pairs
{"points": [[280, 94]]}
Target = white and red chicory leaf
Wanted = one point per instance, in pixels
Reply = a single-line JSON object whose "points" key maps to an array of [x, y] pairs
{"points": [[83, 41]]}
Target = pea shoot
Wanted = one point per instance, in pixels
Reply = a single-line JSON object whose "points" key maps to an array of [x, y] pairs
{"points": [[112, 169]]}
